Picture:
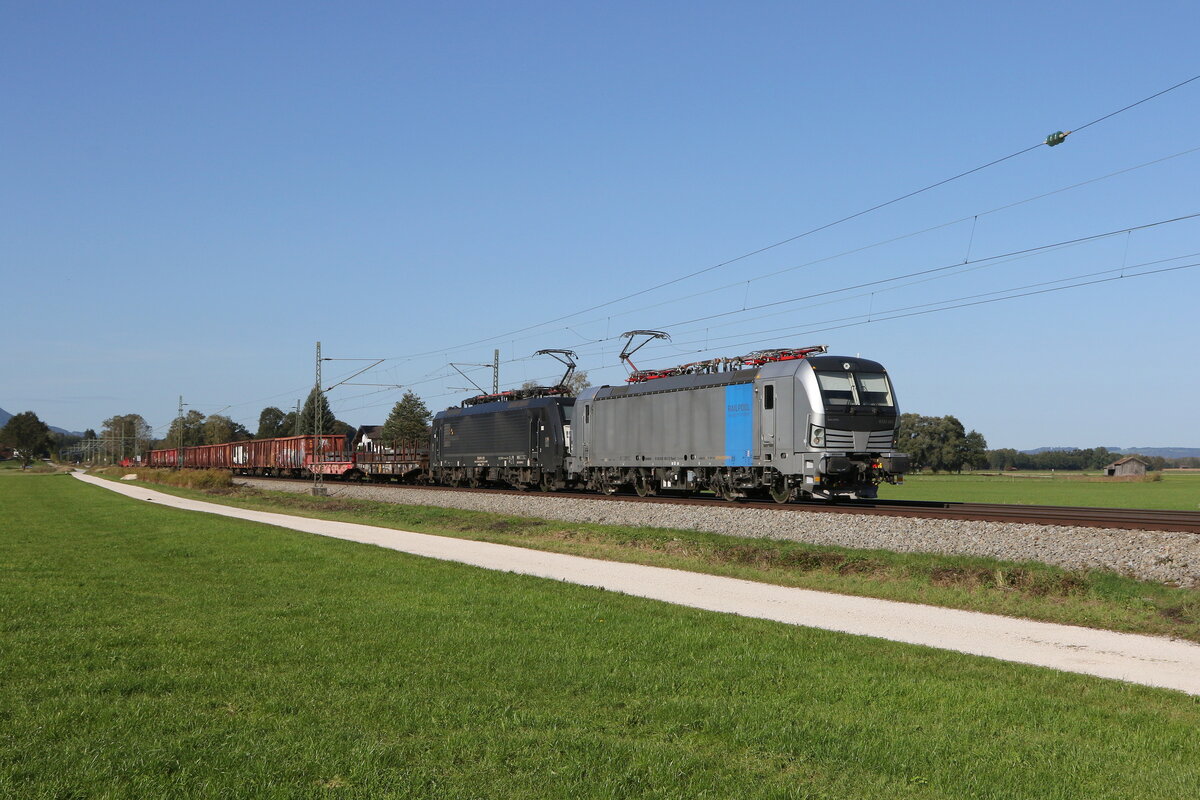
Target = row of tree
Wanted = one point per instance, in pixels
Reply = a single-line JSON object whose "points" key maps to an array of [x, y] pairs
{"points": [[1089, 459], [128, 435], [1092, 458], [942, 444]]}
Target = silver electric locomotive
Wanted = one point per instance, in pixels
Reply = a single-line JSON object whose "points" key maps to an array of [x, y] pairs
{"points": [[787, 424]]}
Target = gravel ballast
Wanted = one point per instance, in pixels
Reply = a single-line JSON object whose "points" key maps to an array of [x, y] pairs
{"points": [[1163, 556]]}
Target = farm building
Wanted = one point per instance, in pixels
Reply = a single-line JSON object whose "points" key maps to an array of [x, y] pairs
{"points": [[1130, 465], [369, 438]]}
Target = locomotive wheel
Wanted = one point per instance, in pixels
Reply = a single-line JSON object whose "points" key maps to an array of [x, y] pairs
{"points": [[643, 487], [780, 492], [727, 493]]}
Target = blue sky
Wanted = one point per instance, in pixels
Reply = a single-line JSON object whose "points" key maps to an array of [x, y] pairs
{"points": [[191, 195]]}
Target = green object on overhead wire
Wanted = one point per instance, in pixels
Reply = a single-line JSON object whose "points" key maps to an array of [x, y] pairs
{"points": [[1056, 138]]}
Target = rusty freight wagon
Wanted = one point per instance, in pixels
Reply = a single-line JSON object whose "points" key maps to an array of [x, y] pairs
{"points": [[207, 456], [289, 456], [297, 456]]}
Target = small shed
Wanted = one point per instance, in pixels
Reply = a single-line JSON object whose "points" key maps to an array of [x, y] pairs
{"points": [[1130, 465]]}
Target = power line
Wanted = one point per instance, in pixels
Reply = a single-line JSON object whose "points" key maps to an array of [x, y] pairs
{"points": [[882, 242], [876, 207], [842, 220], [921, 309], [1011, 293], [942, 268], [1138, 103]]}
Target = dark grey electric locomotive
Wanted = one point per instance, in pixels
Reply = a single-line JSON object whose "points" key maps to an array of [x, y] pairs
{"points": [[517, 442], [786, 423]]}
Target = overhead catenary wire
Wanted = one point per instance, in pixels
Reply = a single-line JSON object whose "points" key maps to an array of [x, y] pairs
{"points": [[921, 309], [808, 232], [917, 273], [880, 243], [942, 268], [956, 265], [948, 304], [814, 230]]}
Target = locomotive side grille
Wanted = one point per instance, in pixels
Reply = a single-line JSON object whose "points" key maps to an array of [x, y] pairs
{"points": [[880, 440]]}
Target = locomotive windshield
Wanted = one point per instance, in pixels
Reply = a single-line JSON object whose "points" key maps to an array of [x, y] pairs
{"points": [[855, 389]]}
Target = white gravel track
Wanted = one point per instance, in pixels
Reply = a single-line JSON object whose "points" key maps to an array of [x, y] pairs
{"points": [[1147, 660]]}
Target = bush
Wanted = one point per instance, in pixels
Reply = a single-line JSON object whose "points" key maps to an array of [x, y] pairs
{"points": [[185, 478]]}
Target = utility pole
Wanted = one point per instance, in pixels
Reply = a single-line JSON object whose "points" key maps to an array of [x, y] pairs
{"points": [[296, 427], [179, 444], [318, 488], [319, 394], [495, 367]]}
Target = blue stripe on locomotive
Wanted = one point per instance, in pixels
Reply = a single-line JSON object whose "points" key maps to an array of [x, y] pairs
{"points": [[739, 424]]}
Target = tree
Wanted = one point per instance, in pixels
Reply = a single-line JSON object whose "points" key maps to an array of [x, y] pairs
{"points": [[578, 382], [575, 384], [976, 456], [408, 424], [288, 426], [62, 441], [129, 434], [940, 443], [953, 451], [270, 423], [317, 403], [219, 430], [192, 433], [27, 435]]}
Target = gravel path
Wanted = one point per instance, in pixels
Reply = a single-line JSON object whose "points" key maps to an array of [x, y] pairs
{"points": [[1147, 660], [1164, 556]]}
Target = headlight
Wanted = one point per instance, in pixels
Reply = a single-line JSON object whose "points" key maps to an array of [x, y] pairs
{"points": [[817, 437]]}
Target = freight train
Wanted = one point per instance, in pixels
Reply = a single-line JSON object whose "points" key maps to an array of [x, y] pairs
{"points": [[785, 424]]}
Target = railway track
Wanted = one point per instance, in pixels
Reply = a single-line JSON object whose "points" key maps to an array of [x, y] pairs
{"points": [[1070, 516]]}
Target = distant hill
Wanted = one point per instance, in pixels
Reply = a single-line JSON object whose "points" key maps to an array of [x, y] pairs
{"points": [[1164, 452], [5, 417]]}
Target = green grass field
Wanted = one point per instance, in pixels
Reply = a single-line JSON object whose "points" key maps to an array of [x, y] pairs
{"points": [[1176, 491], [1028, 589], [154, 653]]}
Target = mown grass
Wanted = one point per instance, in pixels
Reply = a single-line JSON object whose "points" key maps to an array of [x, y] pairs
{"points": [[14, 467], [155, 653], [1028, 589], [1178, 492]]}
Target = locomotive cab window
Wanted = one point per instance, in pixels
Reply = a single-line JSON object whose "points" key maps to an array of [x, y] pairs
{"points": [[873, 389], [769, 396], [855, 389], [837, 388]]}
